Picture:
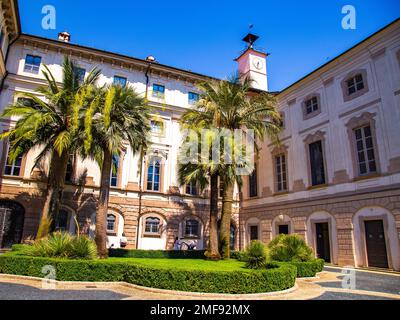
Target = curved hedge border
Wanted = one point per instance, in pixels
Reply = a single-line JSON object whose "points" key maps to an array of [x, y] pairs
{"points": [[235, 282], [157, 254], [307, 269]]}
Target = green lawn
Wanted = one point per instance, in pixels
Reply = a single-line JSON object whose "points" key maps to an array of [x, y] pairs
{"points": [[186, 264]]}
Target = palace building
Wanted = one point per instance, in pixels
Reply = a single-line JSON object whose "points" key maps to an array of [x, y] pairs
{"points": [[335, 179]]}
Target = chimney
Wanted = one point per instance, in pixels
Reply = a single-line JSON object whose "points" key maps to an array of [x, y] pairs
{"points": [[64, 36]]}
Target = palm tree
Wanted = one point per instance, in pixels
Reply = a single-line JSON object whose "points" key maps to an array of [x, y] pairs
{"points": [[117, 118], [231, 105], [203, 173], [51, 125]]}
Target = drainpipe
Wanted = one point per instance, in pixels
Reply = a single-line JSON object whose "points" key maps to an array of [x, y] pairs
{"points": [[142, 154]]}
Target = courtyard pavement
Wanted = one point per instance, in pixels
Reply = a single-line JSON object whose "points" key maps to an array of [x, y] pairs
{"points": [[327, 286]]}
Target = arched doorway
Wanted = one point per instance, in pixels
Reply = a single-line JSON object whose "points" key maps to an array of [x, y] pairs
{"points": [[12, 216]]}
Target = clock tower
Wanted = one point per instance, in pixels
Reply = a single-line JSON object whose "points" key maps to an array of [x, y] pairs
{"points": [[253, 63]]}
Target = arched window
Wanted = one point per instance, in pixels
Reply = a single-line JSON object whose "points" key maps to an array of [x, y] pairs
{"points": [[153, 175], [111, 222], [192, 228], [152, 225]]}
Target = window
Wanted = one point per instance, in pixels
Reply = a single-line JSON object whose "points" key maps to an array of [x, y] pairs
{"points": [[355, 84], [311, 105], [120, 81], [25, 101], [365, 150], [13, 168], [191, 189], [282, 122], [281, 174], [70, 170], [253, 184], [317, 163], [32, 63], [153, 175], [152, 225], [192, 228], [61, 221], [111, 222], [193, 97], [1, 37], [158, 91], [253, 233], [283, 229], [114, 171], [157, 127], [80, 73]]}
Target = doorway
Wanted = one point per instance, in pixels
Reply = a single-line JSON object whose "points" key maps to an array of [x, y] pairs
{"points": [[323, 241], [376, 244], [12, 216]]}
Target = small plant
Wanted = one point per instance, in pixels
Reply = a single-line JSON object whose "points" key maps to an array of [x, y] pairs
{"points": [[83, 248], [256, 255], [289, 248], [62, 245]]}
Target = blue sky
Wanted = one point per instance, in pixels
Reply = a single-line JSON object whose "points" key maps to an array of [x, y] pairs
{"points": [[205, 36]]}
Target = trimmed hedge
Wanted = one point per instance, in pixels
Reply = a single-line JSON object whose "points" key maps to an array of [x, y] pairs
{"points": [[280, 277], [157, 254], [307, 269]]}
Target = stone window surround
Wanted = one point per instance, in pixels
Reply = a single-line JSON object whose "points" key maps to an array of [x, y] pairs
{"points": [[311, 138], [183, 227], [304, 106], [252, 222], [147, 163], [115, 230], [363, 253], [343, 84], [162, 226], [277, 151], [366, 118], [4, 159], [279, 220]]}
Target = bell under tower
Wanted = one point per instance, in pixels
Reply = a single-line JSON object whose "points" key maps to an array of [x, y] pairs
{"points": [[253, 63]]}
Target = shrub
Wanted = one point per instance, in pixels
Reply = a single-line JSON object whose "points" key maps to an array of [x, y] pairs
{"points": [[289, 248], [239, 255], [83, 247], [60, 245], [157, 254], [235, 282], [256, 255], [307, 269]]}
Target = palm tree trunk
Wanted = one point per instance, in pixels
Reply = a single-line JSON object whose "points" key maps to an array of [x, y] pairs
{"points": [[212, 251], [102, 208], [227, 200], [55, 187]]}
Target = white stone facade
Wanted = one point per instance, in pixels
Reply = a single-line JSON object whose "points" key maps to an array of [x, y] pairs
{"points": [[336, 215]]}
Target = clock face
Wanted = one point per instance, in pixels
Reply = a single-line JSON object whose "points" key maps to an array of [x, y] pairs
{"points": [[258, 63]]}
